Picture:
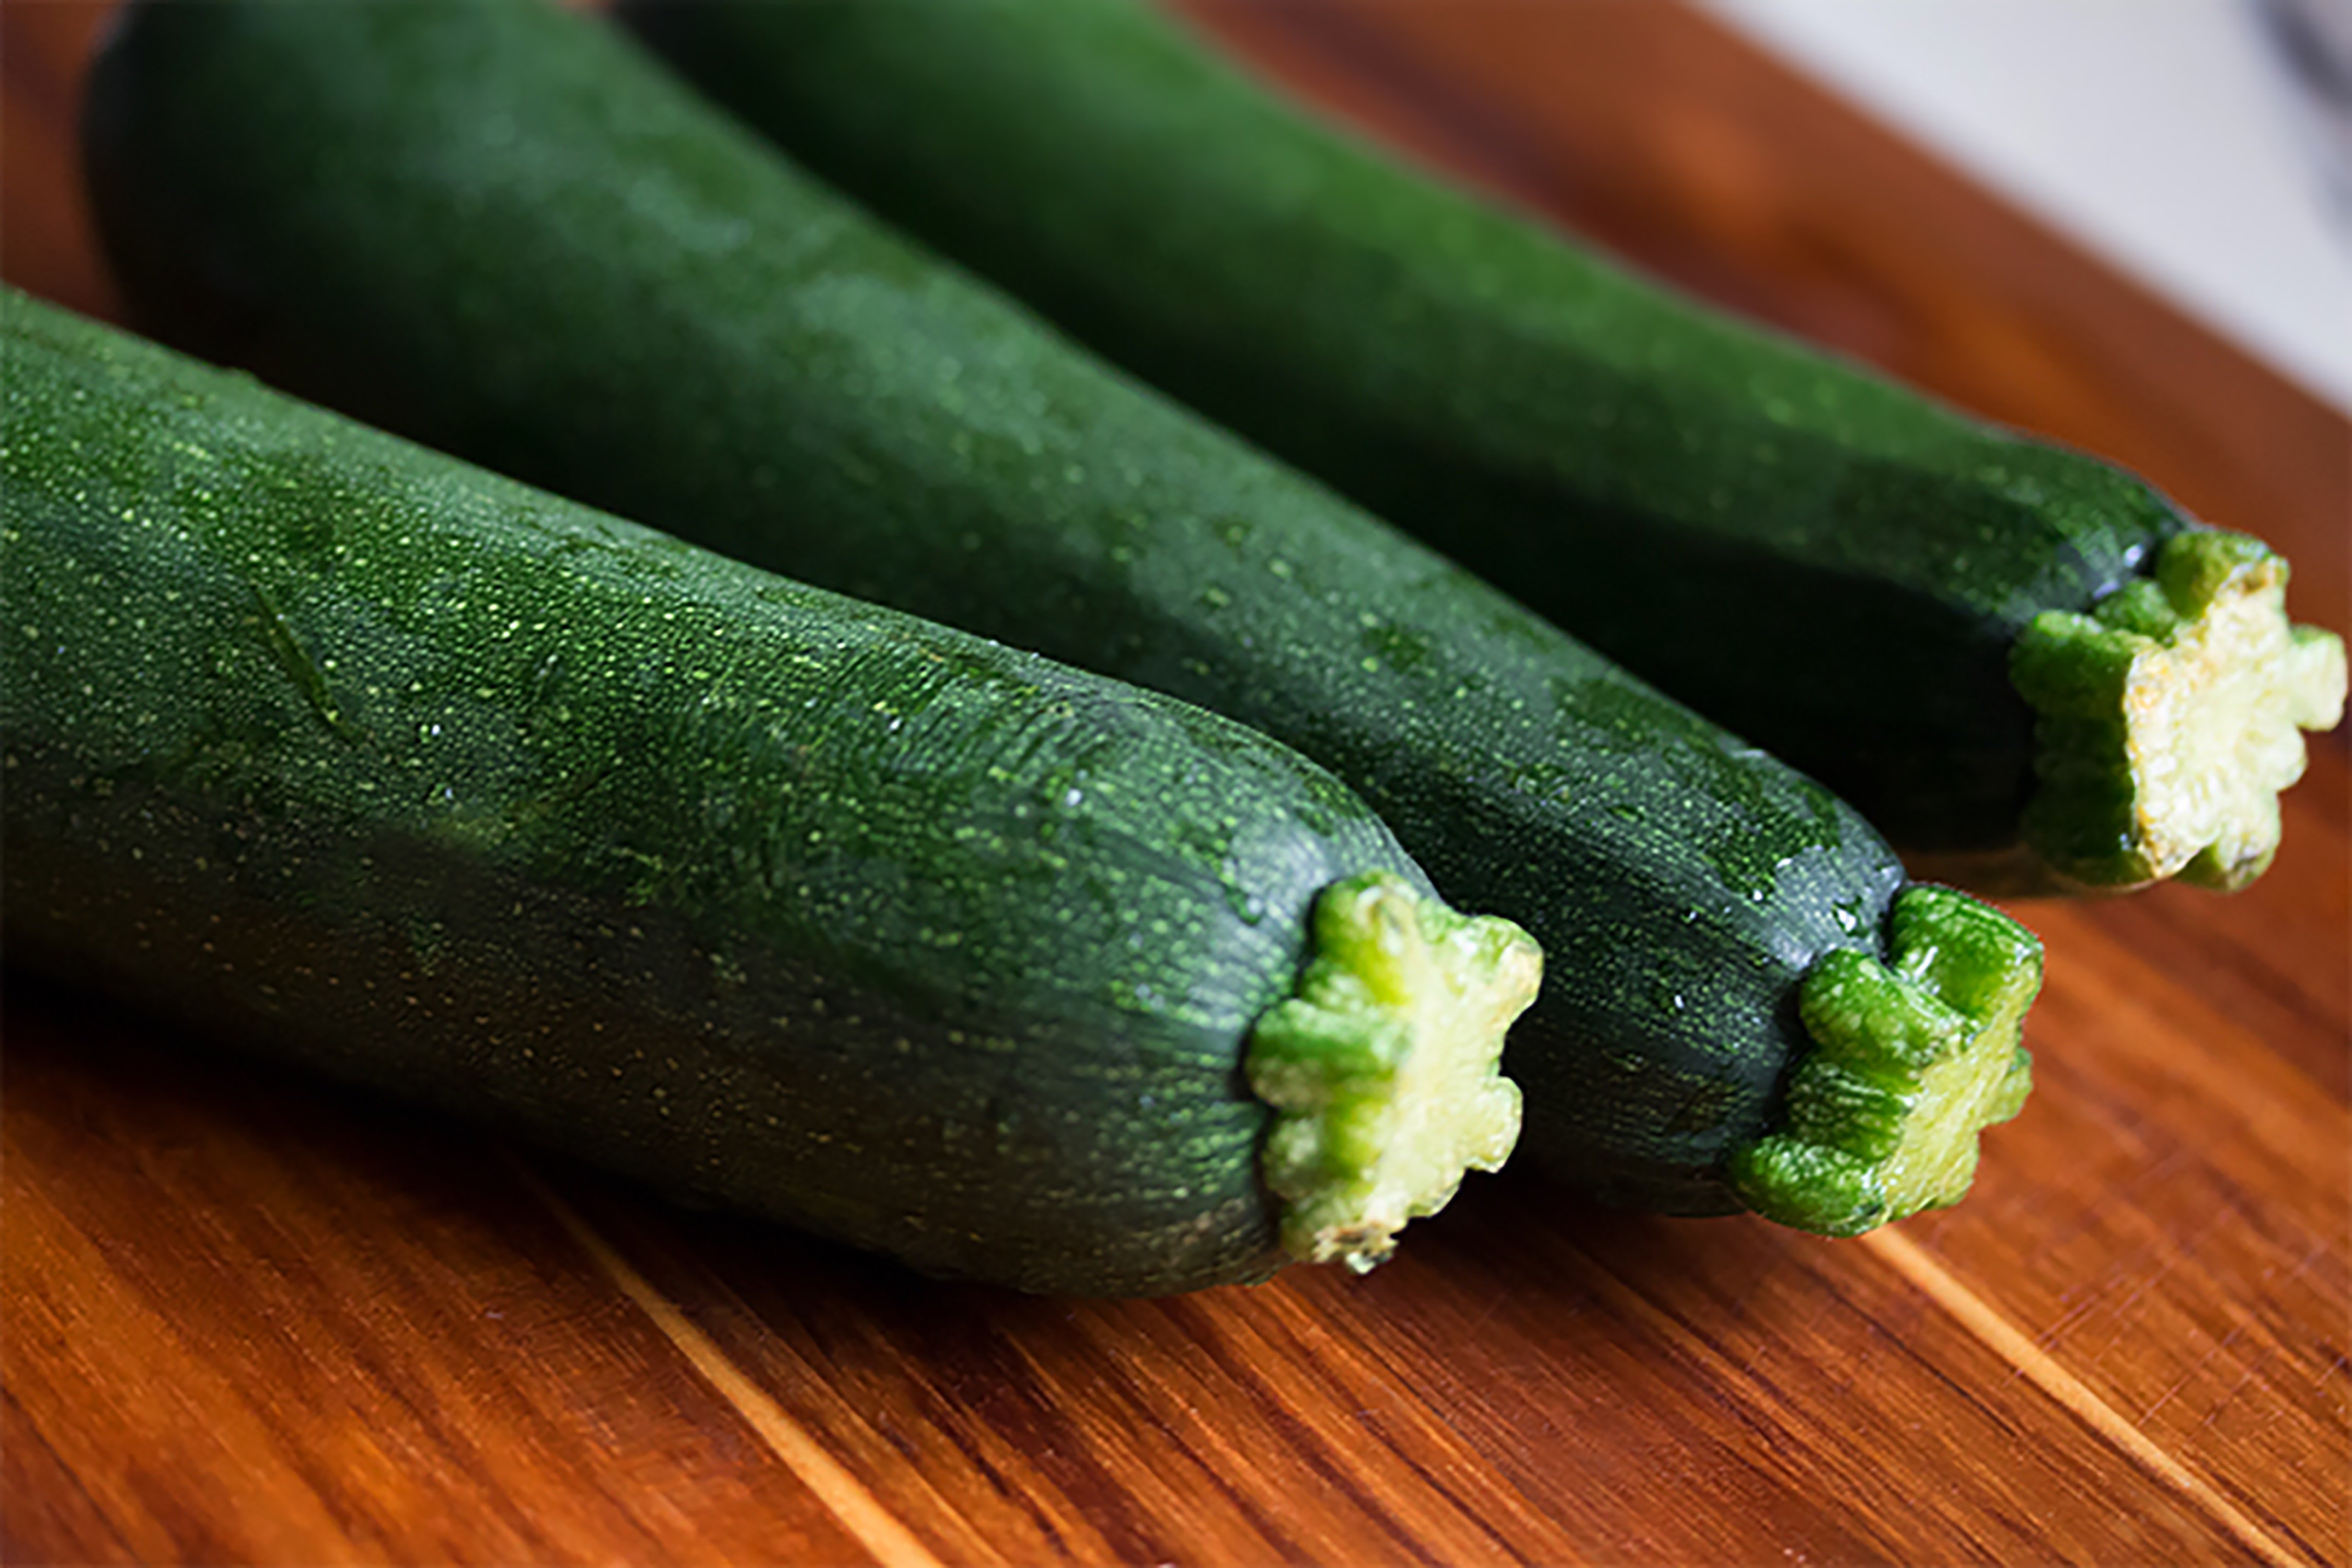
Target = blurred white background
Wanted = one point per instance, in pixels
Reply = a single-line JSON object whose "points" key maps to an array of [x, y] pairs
{"points": [[2170, 136]]}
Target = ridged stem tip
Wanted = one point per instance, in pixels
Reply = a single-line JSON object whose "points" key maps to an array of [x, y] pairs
{"points": [[1383, 1068]]}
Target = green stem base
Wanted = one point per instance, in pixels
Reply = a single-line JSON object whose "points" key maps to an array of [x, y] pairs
{"points": [[1912, 1059], [2168, 719], [1383, 1068]]}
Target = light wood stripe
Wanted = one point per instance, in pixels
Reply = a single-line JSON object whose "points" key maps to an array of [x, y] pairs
{"points": [[893, 1545], [2005, 1340]]}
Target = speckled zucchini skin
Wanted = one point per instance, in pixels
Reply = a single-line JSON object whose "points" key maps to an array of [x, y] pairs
{"points": [[446, 785], [1827, 563], [499, 228]]}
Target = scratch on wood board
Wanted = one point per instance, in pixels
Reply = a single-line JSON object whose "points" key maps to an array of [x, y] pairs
{"points": [[2011, 1344], [893, 1545]]}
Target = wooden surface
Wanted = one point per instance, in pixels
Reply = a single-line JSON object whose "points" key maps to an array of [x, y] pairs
{"points": [[250, 1319]]}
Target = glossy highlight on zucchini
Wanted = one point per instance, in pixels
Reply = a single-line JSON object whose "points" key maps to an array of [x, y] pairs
{"points": [[502, 230], [430, 781], [1839, 569]]}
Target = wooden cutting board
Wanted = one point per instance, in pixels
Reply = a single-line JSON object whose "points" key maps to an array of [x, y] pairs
{"points": [[253, 1320]]}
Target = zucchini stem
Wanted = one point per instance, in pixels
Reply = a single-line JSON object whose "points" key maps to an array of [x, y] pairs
{"points": [[1912, 1058], [2170, 717], [1383, 1068]]}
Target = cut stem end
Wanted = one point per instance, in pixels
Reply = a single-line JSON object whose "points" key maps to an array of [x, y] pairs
{"points": [[1383, 1068], [1912, 1059], [2169, 719]]}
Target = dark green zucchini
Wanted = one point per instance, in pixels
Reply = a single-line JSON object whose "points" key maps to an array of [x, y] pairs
{"points": [[2025, 666], [444, 784], [499, 229]]}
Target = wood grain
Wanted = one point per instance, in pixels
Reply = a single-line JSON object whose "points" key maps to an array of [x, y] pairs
{"points": [[247, 1318], [253, 1321]]}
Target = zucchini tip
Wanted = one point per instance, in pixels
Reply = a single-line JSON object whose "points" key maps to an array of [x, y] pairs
{"points": [[1383, 1068], [1912, 1058], [2170, 717]]}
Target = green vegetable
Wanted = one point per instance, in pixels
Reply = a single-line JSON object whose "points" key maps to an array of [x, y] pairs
{"points": [[1836, 568], [436, 782], [498, 227]]}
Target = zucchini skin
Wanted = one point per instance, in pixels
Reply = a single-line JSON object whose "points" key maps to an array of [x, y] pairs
{"points": [[1831, 565], [494, 227], [433, 782]]}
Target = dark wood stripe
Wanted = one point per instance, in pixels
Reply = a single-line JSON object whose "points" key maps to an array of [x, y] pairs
{"points": [[46, 1514]]}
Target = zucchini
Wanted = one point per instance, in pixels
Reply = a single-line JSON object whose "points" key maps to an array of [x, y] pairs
{"points": [[2026, 666], [439, 783], [502, 230]]}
